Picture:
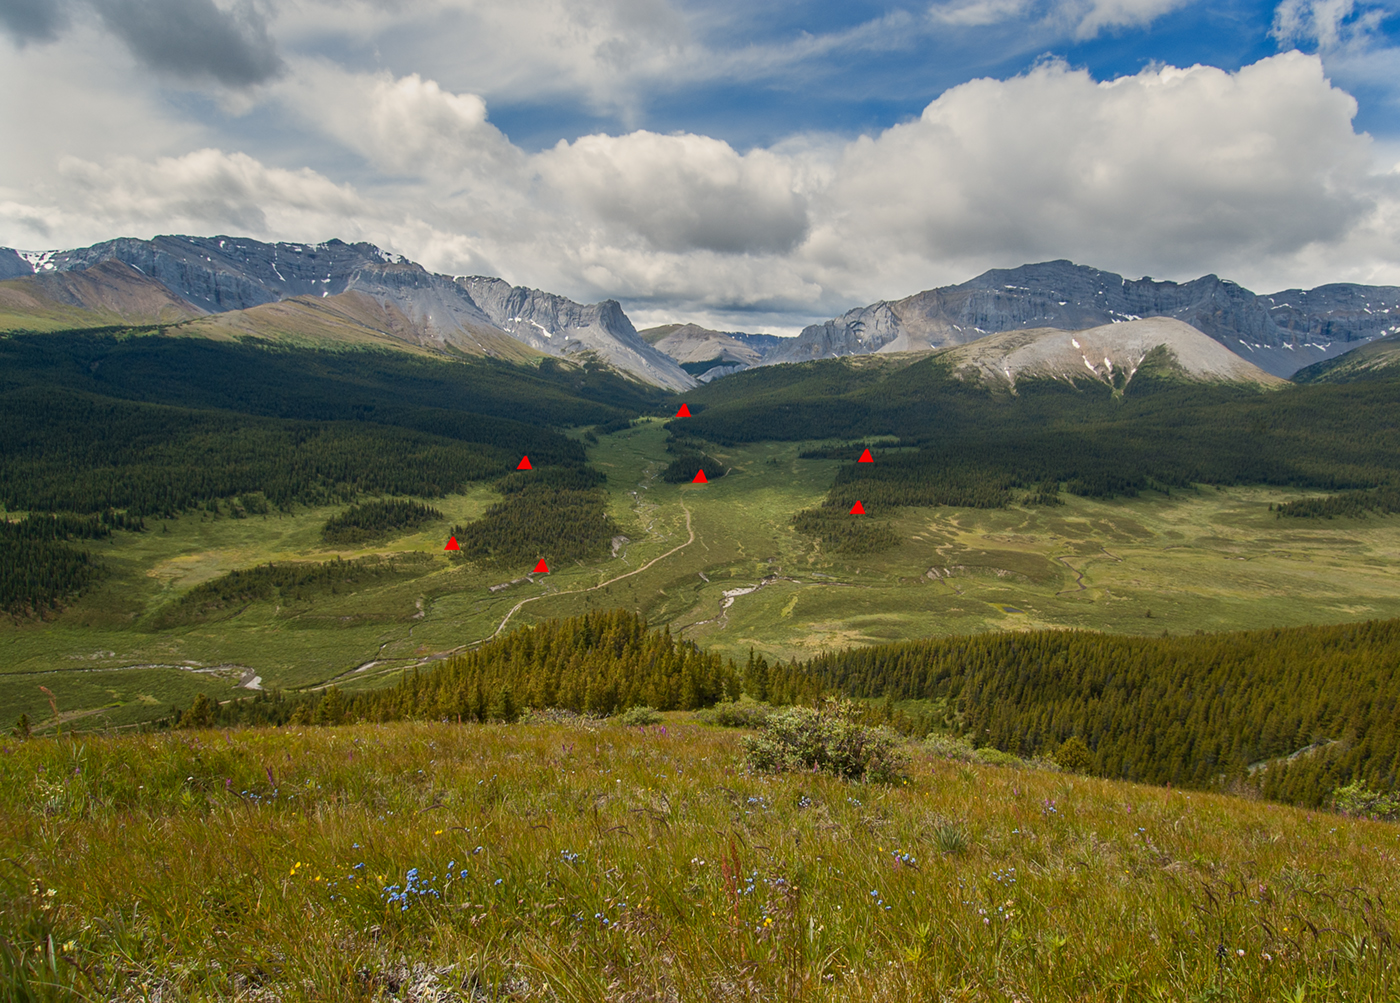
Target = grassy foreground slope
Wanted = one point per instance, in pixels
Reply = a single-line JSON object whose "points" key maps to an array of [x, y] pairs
{"points": [[594, 862]]}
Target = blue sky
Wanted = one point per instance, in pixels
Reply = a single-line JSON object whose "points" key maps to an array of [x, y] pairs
{"points": [[754, 166], [864, 88]]}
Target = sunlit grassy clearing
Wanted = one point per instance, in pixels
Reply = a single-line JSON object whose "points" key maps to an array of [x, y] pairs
{"points": [[596, 862]]}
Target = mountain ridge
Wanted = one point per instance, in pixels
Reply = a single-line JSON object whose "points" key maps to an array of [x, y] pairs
{"points": [[222, 275], [1280, 332]]}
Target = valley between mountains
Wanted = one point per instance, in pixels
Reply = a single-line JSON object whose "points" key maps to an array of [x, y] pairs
{"points": [[1055, 447], [1029, 638]]}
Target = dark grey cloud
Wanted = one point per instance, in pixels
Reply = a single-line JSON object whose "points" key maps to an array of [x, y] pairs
{"points": [[32, 20], [194, 39]]}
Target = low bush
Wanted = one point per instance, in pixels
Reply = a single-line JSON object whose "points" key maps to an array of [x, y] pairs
{"points": [[1358, 799], [640, 717], [944, 746], [829, 739]]}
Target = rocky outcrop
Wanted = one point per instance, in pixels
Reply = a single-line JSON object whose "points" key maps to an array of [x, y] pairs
{"points": [[107, 293]]}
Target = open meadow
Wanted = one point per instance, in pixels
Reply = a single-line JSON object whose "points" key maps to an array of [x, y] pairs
{"points": [[584, 860], [719, 563]]}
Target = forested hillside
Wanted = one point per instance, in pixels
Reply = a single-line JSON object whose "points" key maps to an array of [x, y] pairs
{"points": [[38, 566], [965, 445], [1198, 711], [146, 425], [385, 387]]}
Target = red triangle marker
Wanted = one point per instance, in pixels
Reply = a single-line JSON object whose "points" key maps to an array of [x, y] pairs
{"points": [[541, 568], [700, 478], [452, 544], [865, 457], [857, 509], [684, 412], [524, 464]]}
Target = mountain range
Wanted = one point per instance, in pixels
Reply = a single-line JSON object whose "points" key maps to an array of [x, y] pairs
{"points": [[1280, 333], [222, 287], [354, 292]]}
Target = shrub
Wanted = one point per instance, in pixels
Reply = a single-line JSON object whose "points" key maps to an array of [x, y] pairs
{"points": [[735, 715], [640, 717], [995, 757], [829, 739], [1358, 799], [950, 747]]}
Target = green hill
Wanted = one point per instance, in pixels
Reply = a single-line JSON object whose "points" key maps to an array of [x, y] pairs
{"points": [[1373, 360]]}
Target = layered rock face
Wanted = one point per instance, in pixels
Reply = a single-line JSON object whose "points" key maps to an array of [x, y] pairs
{"points": [[558, 326]]}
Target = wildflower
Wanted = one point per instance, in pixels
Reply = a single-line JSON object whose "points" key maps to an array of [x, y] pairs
{"points": [[499, 880], [1240, 952]]}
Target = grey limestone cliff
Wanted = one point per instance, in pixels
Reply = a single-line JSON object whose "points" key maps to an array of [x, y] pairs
{"points": [[558, 326]]}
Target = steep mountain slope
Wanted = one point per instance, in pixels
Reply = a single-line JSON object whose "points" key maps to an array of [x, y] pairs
{"points": [[1279, 333], [219, 275], [557, 326], [1371, 360], [1110, 353], [355, 319], [108, 293]]}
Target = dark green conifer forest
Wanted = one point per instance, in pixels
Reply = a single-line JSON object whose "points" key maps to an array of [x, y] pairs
{"points": [[375, 520], [1199, 711]]}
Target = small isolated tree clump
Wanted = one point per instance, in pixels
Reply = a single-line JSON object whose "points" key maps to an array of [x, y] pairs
{"points": [[200, 715], [829, 739], [1073, 755]]}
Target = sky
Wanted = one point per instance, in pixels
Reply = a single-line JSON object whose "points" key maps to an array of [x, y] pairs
{"points": [[747, 166]]}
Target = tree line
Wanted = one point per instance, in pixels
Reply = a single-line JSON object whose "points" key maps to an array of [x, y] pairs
{"points": [[599, 663]]}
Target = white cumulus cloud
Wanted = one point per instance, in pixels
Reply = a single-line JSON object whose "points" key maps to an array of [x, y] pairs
{"points": [[1257, 175], [681, 192]]}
